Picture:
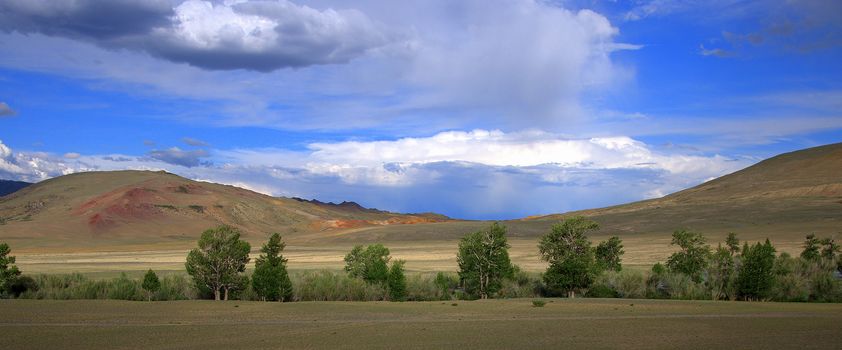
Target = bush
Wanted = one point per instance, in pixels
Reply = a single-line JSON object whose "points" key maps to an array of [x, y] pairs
{"points": [[675, 286], [176, 287], [22, 284], [601, 291], [624, 284], [328, 286], [538, 303], [421, 287]]}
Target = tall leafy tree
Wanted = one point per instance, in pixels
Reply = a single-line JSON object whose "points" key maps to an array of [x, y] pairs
{"points": [[370, 263], [831, 251], [271, 279], [811, 248], [151, 284], [733, 243], [218, 262], [692, 257], [396, 283], [568, 251], [721, 272], [757, 273], [483, 260], [8, 271], [829, 248], [609, 254]]}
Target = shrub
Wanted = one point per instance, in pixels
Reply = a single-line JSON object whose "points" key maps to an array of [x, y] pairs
{"points": [[21, 285], [423, 287], [623, 284], [151, 284], [176, 287], [538, 303], [601, 291], [329, 286]]}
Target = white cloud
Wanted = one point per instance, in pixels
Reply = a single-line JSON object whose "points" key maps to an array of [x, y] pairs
{"points": [[423, 66]]}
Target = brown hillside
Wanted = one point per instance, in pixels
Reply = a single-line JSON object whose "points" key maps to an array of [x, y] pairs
{"points": [[153, 206], [783, 198]]}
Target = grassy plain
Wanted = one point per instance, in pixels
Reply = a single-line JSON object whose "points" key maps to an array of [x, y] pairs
{"points": [[422, 256], [492, 324]]}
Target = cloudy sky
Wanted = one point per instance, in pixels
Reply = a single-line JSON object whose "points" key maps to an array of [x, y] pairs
{"points": [[488, 109]]}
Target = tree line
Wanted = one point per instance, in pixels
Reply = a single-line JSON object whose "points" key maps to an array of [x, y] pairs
{"points": [[574, 266]]}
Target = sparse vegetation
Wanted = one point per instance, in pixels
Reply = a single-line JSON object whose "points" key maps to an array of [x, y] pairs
{"points": [[166, 206]]}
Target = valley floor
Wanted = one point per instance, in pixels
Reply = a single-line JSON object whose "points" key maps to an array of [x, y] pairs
{"points": [[503, 324], [641, 252]]}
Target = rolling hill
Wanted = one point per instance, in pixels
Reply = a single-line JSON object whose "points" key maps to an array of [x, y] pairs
{"points": [[145, 206], [783, 198]]}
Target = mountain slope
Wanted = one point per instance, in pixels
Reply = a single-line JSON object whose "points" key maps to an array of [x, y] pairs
{"points": [[154, 206], [798, 192], [783, 198], [8, 186]]}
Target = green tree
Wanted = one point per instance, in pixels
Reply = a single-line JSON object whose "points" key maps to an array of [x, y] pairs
{"points": [[396, 283], [721, 271], [369, 263], [271, 279], [568, 251], [757, 271], [483, 260], [733, 243], [219, 260], [829, 248], [831, 251], [8, 271], [151, 284], [692, 257], [811, 248], [609, 254]]}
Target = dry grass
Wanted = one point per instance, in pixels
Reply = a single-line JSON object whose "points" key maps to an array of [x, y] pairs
{"points": [[493, 324], [424, 256]]}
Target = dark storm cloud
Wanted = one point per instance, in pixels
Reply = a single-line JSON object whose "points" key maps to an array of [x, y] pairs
{"points": [[5, 110], [260, 36], [176, 156], [101, 20]]}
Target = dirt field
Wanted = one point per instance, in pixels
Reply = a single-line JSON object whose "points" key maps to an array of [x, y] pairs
{"points": [[495, 324]]}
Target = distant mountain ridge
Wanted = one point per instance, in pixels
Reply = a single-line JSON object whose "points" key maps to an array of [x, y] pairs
{"points": [[11, 186]]}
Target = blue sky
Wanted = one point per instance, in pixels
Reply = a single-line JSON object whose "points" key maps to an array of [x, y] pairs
{"points": [[474, 109]]}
